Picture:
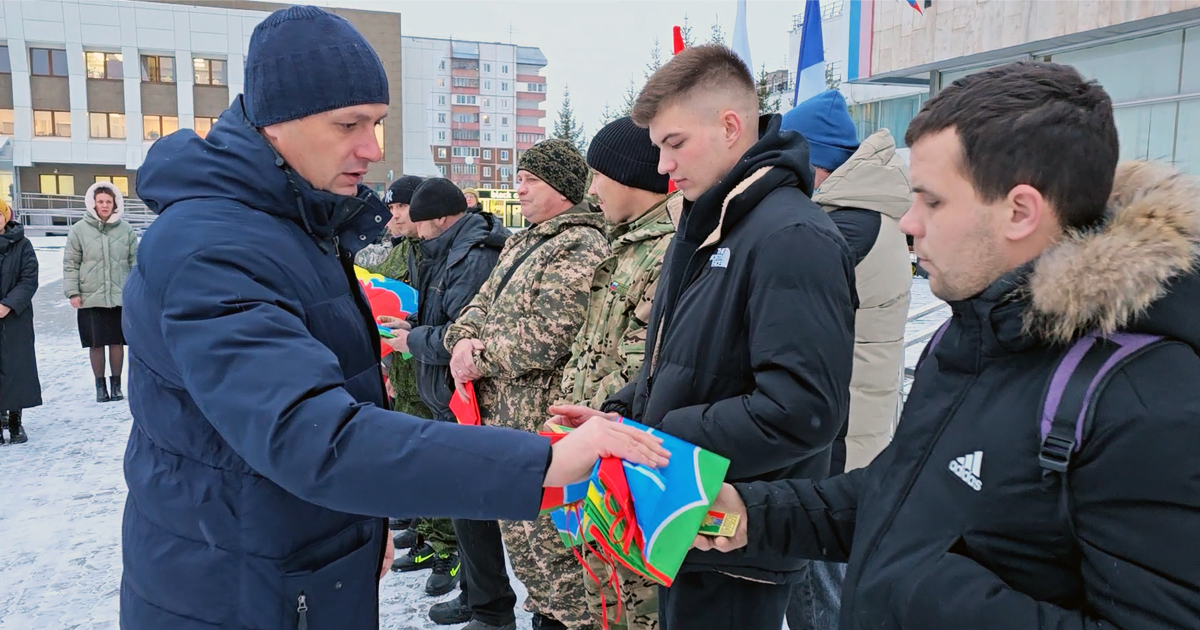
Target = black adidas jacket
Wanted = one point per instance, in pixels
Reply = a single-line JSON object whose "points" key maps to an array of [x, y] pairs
{"points": [[955, 526], [751, 337]]}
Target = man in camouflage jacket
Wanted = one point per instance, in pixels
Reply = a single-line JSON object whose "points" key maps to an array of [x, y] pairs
{"points": [[609, 349], [513, 341]]}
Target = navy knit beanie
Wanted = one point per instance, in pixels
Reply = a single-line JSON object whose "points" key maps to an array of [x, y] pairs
{"points": [[304, 61], [623, 152], [824, 120]]}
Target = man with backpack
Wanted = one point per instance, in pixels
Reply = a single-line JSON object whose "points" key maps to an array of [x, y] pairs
{"points": [[1044, 473]]}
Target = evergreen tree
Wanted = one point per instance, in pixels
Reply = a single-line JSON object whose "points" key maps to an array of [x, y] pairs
{"points": [[768, 102], [718, 33], [689, 39], [655, 59], [566, 127]]}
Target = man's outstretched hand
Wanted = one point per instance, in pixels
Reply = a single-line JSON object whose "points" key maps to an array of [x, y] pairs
{"points": [[729, 502], [575, 454], [574, 416]]}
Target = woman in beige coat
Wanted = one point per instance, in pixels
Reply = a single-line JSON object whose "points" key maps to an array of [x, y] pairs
{"points": [[101, 249]]}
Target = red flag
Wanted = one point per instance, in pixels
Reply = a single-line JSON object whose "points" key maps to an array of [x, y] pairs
{"points": [[678, 40]]}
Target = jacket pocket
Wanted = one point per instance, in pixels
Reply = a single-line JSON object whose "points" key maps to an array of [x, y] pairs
{"points": [[332, 583]]}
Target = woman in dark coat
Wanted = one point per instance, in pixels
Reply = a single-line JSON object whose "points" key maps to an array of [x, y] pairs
{"points": [[19, 384]]}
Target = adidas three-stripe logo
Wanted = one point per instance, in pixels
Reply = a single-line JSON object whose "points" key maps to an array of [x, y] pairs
{"points": [[968, 468]]}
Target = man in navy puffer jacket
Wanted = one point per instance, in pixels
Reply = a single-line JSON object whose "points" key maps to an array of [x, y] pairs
{"points": [[262, 456]]}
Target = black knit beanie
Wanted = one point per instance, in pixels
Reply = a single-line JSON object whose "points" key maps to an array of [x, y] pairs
{"points": [[436, 198], [401, 190], [623, 152], [558, 163]]}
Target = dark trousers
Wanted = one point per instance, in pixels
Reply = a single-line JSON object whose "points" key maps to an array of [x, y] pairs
{"points": [[706, 599], [485, 578]]}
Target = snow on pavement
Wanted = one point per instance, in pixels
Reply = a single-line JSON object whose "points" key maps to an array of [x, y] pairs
{"points": [[64, 491]]}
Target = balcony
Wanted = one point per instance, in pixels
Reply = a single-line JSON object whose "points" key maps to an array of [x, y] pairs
{"points": [[531, 113], [530, 78], [532, 96]]}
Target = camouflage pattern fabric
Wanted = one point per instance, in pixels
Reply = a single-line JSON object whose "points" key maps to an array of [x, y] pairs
{"points": [[549, 571], [527, 330], [439, 533], [639, 596], [372, 255], [608, 351]]}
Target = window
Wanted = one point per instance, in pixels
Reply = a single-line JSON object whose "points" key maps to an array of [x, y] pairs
{"points": [[442, 119], [48, 62], [465, 134], [104, 65], [464, 82], [209, 71], [487, 120], [487, 154], [466, 118], [464, 169], [158, 69], [503, 137], [5, 64], [120, 182], [487, 137], [503, 69], [442, 169], [6, 122], [54, 184], [442, 65], [204, 125], [487, 67], [52, 124], [442, 154], [465, 152], [464, 99], [487, 171], [155, 127], [503, 86], [442, 99], [487, 102], [503, 186], [441, 83], [503, 155], [442, 136], [504, 104], [487, 85], [504, 121], [106, 125], [503, 172]]}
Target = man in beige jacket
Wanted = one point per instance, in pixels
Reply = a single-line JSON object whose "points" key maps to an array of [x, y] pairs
{"points": [[865, 189]]}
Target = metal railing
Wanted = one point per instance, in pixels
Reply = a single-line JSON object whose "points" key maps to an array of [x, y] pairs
{"points": [[53, 215]]}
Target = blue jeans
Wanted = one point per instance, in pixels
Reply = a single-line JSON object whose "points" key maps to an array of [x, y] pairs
{"points": [[816, 602]]}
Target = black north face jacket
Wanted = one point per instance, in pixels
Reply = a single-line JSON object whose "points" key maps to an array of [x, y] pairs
{"points": [[955, 525], [751, 337]]}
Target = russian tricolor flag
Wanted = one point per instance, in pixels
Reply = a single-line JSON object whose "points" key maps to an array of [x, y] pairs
{"points": [[810, 71]]}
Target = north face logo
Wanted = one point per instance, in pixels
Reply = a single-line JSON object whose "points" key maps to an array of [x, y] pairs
{"points": [[968, 469]]}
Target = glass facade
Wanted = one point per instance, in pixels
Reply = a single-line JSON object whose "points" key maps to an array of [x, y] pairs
{"points": [[892, 114]]}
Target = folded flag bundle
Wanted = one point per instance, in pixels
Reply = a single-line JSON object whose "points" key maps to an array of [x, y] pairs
{"points": [[386, 297], [644, 518]]}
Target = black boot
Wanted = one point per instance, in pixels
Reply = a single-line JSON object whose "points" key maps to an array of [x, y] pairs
{"points": [[452, 612], [444, 578], [115, 389], [101, 390], [15, 430]]}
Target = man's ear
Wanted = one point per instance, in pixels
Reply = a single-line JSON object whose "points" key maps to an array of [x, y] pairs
{"points": [[1026, 212]]}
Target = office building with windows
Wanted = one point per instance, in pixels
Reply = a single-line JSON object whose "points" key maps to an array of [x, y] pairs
{"points": [[1146, 54], [87, 86], [471, 108]]}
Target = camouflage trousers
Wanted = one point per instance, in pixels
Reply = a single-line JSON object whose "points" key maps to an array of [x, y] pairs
{"points": [[549, 571], [639, 596], [439, 533]]}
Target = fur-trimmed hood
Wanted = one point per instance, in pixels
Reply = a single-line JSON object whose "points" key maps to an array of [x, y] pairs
{"points": [[89, 200], [1140, 271]]}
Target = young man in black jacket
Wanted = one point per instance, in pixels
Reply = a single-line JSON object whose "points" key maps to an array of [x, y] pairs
{"points": [[973, 517], [751, 337]]}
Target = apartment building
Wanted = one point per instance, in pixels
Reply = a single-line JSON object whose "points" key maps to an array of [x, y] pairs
{"points": [[472, 108], [87, 86]]}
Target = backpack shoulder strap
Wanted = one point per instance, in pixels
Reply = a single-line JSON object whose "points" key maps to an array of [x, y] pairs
{"points": [[1078, 380]]}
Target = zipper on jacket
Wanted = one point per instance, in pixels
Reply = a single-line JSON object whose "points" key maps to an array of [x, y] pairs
{"points": [[302, 611]]}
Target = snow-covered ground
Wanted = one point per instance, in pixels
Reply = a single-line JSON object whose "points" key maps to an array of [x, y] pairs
{"points": [[62, 494]]}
